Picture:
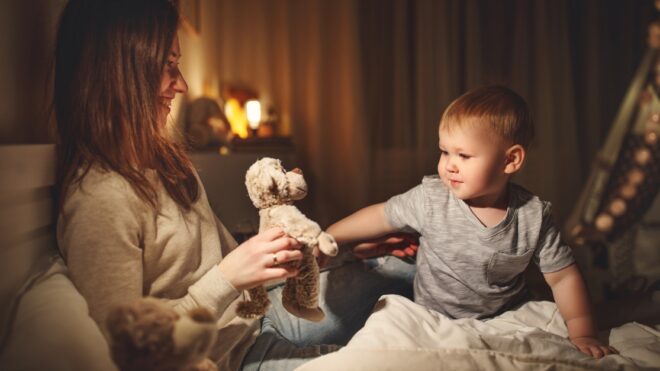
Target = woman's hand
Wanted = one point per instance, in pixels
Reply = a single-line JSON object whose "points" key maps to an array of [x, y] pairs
{"points": [[401, 245], [256, 261]]}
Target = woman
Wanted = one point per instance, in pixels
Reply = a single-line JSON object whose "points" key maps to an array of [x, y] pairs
{"points": [[134, 219]]}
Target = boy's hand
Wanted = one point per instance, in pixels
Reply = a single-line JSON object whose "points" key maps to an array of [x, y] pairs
{"points": [[592, 347], [401, 245]]}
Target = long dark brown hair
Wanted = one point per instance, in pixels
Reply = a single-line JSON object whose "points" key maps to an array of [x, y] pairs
{"points": [[109, 59]]}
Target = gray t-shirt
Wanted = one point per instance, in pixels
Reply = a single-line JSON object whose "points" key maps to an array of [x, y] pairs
{"points": [[465, 269]]}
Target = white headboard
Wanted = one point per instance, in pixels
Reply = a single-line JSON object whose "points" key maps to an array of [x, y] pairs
{"points": [[44, 321], [27, 239]]}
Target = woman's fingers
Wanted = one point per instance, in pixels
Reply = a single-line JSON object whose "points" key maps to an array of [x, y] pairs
{"points": [[291, 243], [275, 239], [259, 259], [279, 273], [281, 257], [270, 234], [282, 243], [276, 267]]}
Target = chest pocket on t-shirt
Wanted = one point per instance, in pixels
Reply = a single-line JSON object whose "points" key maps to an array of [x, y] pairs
{"points": [[505, 267]]}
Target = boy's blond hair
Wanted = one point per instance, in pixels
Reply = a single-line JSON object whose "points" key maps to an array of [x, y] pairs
{"points": [[494, 107]]}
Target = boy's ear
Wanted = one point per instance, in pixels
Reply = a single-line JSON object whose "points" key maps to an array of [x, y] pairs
{"points": [[515, 157]]}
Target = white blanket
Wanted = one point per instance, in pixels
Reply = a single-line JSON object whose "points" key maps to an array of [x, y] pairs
{"points": [[401, 335]]}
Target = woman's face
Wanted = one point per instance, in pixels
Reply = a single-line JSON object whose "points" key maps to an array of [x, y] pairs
{"points": [[172, 81]]}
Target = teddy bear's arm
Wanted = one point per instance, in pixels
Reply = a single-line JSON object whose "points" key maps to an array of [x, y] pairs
{"points": [[327, 244], [298, 226], [295, 224]]}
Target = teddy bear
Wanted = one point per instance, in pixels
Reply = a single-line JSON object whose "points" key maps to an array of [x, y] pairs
{"points": [[147, 334], [273, 190]]}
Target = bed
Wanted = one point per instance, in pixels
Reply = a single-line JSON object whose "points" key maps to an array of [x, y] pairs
{"points": [[403, 335], [44, 322], [617, 210]]}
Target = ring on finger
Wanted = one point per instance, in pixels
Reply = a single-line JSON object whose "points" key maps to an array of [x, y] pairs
{"points": [[275, 259]]}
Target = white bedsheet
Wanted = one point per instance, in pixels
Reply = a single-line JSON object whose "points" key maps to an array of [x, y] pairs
{"points": [[401, 335]]}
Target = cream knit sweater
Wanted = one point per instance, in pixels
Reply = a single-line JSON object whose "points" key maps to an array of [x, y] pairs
{"points": [[118, 249]]}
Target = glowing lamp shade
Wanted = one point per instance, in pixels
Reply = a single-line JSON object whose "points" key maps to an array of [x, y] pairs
{"points": [[237, 118], [253, 110]]}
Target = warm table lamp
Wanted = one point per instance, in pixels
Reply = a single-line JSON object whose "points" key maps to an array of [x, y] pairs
{"points": [[253, 111]]}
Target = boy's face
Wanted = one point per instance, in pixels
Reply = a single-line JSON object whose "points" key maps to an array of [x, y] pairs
{"points": [[472, 164]]}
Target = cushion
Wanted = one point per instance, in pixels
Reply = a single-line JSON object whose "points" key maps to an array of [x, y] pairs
{"points": [[51, 328]]}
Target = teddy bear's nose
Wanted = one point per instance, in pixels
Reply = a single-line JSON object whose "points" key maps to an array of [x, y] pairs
{"points": [[297, 171]]}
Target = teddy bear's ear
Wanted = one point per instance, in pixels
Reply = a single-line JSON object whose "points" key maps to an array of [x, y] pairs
{"points": [[201, 314], [273, 189], [118, 320], [193, 338], [265, 181]]}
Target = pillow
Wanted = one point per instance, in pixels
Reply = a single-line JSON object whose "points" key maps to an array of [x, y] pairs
{"points": [[52, 329]]}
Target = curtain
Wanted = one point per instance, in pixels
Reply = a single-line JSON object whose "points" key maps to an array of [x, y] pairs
{"points": [[361, 84], [571, 61], [303, 58], [453, 46]]}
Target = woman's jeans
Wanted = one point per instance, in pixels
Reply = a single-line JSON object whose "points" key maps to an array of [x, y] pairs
{"points": [[348, 294]]}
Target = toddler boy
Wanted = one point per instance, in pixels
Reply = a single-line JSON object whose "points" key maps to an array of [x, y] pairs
{"points": [[479, 231]]}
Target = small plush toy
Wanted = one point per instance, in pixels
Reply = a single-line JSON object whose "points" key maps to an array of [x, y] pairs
{"points": [[273, 190], [148, 334]]}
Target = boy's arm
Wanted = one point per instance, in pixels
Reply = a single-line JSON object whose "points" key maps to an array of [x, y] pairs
{"points": [[572, 301], [364, 224]]}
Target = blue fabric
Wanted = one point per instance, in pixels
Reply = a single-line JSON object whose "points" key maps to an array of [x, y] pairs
{"points": [[348, 294]]}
